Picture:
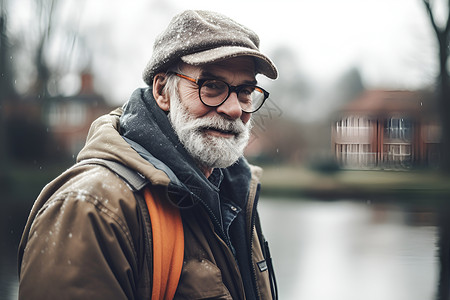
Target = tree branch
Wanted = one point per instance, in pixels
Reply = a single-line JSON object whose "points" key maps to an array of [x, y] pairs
{"points": [[447, 28], [430, 14]]}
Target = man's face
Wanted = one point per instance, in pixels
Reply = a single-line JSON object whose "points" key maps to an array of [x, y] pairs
{"points": [[214, 136]]}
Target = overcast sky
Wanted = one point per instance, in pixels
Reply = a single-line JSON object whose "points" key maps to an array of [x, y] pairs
{"points": [[390, 41]]}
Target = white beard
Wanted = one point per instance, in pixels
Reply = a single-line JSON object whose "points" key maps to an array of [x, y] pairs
{"points": [[207, 150]]}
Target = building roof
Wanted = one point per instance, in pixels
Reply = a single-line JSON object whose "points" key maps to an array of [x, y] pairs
{"points": [[381, 102]]}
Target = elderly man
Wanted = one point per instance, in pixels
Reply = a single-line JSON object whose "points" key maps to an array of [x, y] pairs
{"points": [[161, 203]]}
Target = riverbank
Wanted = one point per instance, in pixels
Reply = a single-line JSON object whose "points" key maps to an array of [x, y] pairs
{"points": [[25, 182], [415, 185]]}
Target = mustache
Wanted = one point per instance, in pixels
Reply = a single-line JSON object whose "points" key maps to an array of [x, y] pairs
{"points": [[235, 127]]}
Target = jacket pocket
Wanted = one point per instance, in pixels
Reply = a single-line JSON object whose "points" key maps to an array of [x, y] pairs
{"points": [[201, 279]]}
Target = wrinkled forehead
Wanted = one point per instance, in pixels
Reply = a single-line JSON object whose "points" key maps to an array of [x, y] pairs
{"points": [[242, 67]]}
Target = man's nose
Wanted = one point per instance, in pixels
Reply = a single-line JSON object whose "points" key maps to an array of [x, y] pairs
{"points": [[231, 107]]}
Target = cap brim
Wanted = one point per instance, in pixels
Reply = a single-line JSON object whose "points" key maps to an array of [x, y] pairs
{"points": [[263, 64]]}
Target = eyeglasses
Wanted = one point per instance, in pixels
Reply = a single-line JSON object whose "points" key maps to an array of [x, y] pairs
{"points": [[214, 92]]}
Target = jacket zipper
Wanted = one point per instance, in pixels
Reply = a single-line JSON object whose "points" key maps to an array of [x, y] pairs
{"points": [[252, 205], [227, 242], [216, 221]]}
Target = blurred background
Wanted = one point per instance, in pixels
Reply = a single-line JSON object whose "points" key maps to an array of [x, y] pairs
{"points": [[354, 138]]}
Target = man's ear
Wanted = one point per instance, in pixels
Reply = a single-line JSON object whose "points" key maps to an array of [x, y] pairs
{"points": [[163, 100]]}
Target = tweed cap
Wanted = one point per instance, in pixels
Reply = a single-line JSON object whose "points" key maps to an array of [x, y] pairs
{"points": [[200, 37]]}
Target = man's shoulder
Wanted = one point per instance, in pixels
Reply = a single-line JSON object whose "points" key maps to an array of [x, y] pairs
{"points": [[93, 184], [95, 176]]}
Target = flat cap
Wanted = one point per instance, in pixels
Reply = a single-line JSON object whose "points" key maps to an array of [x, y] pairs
{"points": [[200, 37]]}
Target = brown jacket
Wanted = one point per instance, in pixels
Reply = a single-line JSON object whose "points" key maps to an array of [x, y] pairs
{"points": [[85, 237]]}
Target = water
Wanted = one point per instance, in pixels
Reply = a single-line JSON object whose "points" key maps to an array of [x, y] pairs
{"points": [[325, 250], [351, 250], [8, 278]]}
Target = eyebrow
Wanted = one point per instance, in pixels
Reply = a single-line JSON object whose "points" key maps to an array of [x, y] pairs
{"points": [[208, 75]]}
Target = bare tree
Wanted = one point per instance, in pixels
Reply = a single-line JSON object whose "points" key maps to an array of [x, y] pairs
{"points": [[6, 86], [44, 45], [442, 32], [45, 14], [49, 40], [6, 79]]}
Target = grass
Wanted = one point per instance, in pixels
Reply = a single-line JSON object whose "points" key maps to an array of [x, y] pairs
{"points": [[408, 185]]}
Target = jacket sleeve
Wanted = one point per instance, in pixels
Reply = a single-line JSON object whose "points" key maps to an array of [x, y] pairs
{"points": [[79, 247]]}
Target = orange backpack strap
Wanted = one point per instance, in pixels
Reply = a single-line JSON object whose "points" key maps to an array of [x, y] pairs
{"points": [[167, 234], [168, 246]]}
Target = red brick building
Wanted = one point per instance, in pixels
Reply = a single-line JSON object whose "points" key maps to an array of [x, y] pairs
{"points": [[69, 118], [387, 129], [56, 127]]}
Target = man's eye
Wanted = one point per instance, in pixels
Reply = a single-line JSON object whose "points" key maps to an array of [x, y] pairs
{"points": [[211, 85], [215, 85], [247, 91]]}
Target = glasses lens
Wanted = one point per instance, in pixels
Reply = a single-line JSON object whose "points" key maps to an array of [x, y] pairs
{"points": [[213, 92], [251, 98]]}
